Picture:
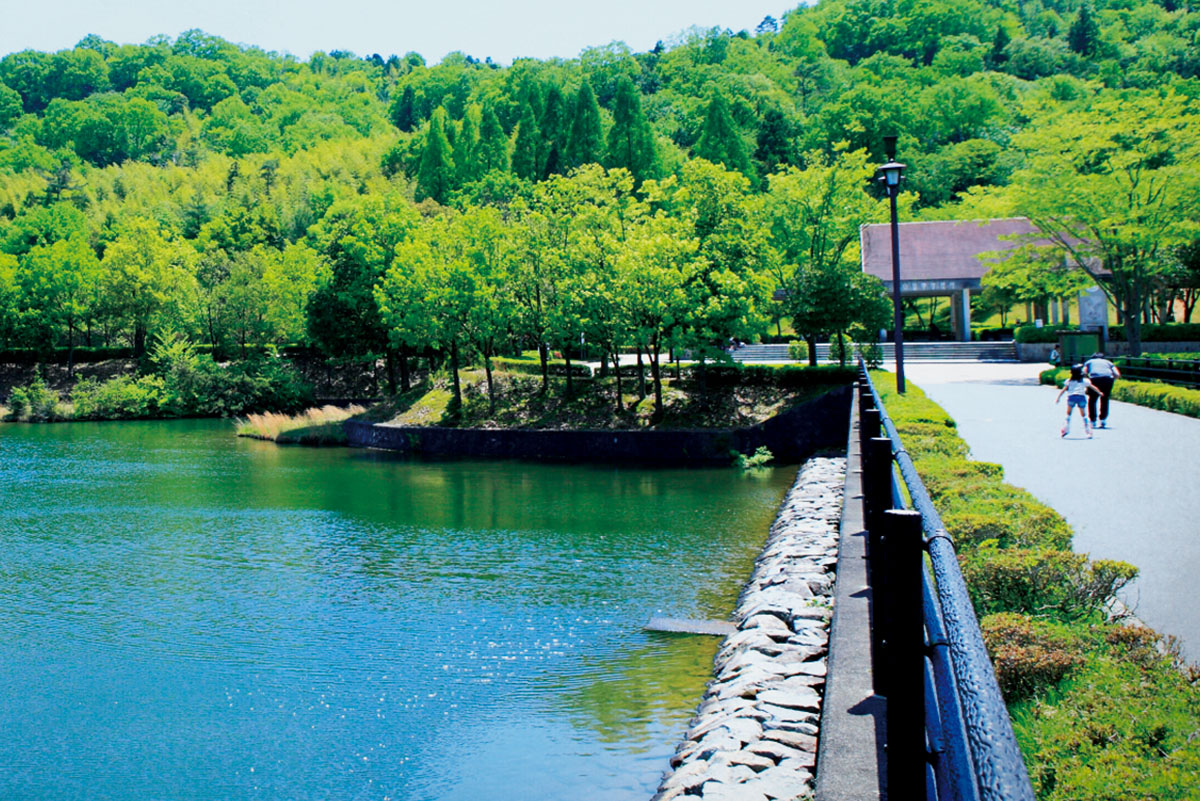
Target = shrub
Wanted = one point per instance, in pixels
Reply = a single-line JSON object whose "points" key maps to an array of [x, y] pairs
{"points": [[120, 398], [943, 476], [761, 457], [1061, 584], [1029, 655], [1011, 522], [798, 351], [1116, 729], [34, 402]]}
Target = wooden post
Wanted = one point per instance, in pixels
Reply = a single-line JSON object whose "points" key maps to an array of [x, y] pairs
{"points": [[905, 646]]}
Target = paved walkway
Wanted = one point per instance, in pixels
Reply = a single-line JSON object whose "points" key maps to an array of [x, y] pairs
{"points": [[1130, 493]]}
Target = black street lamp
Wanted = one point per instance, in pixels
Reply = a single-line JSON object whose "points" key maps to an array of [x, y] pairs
{"points": [[890, 174]]}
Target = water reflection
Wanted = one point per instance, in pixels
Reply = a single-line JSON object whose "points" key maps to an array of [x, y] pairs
{"points": [[198, 617]]}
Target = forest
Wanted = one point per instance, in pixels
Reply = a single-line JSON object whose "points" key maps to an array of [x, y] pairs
{"points": [[376, 210]]}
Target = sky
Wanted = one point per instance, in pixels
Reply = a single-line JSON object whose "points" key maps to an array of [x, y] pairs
{"points": [[499, 30]]}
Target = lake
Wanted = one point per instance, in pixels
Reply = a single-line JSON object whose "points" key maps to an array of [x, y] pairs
{"points": [[188, 615]]}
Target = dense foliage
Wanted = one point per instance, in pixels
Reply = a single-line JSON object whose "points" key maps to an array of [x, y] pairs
{"points": [[636, 200]]}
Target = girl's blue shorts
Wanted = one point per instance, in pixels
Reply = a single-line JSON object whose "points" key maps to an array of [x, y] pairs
{"points": [[1076, 400]]}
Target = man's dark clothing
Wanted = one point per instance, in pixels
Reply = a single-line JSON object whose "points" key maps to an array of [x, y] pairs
{"points": [[1101, 372], [1105, 385]]}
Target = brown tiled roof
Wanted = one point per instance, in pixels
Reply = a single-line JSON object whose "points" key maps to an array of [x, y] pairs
{"points": [[939, 250]]}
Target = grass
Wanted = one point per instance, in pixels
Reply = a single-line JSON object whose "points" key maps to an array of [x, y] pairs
{"points": [[520, 403], [321, 426]]}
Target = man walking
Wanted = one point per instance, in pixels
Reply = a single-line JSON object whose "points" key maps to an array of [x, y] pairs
{"points": [[1102, 373]]}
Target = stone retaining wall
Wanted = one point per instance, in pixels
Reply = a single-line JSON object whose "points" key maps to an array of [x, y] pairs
{"points": [[792, 437], [754, 736]]}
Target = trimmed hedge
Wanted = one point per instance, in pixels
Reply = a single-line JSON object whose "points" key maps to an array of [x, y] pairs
{"points": [[786, 376], [1172, 332], [1151, 394]]}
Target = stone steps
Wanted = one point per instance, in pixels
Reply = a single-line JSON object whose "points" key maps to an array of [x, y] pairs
{"points": [[913, 351]]}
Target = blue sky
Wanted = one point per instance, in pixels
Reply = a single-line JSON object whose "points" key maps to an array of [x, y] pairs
{"points": [[501, 30]]}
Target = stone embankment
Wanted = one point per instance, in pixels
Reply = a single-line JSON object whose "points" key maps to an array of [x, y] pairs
{"points": [[754, 736]]}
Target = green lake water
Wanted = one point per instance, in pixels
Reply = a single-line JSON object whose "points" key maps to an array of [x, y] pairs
{"points": [[188, 615]]}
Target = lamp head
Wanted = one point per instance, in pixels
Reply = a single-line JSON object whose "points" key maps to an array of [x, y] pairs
{"points": [[890, 173]]}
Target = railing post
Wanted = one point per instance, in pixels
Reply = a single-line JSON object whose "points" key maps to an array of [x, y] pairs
{"points": [[877, 499], [905, 645]]}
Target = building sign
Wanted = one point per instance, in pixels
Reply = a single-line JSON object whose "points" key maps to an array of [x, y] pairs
{"points": [[944, 285], [1093, 309]]}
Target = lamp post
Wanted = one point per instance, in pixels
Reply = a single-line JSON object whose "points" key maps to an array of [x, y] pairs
{"points": [[890, 176]]}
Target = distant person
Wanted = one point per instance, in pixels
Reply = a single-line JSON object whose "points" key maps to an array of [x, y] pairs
{"points": [[1054, 356], [1076, 389], [1102, 373]]}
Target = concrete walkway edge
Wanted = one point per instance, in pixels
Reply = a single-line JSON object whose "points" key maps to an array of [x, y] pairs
{"points": [[850, 757]]}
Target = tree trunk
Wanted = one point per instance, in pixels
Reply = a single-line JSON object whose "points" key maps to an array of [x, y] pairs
{"points": [[617, 370], [570, 378], [487, 368], [139, 341], [655, 372], [641, 374], [457, 401], [390, 360], [812, 349], [544, 357], [405, 379]]}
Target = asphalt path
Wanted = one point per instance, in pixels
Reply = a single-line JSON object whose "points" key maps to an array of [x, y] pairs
{"points": [[1131, 493]]}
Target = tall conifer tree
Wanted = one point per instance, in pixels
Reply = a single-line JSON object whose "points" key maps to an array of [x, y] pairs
{"points": [[554, 131], [466, 151], [630, 140], [527, 145], [1084, 34], [586, 142], [720, 138], [492, 153], [435, 174]]}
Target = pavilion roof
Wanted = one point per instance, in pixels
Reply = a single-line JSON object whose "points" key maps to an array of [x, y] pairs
{"points": [[940, 250]]}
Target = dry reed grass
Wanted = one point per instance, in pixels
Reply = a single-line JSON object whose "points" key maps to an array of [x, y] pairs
{"points": [[270, 425]]}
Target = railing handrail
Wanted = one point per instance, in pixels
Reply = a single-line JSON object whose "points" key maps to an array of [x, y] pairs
{"points": [[995, 762]]}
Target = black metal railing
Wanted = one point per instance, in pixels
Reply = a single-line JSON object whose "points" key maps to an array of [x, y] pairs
{"points": [[947, 730], [1184, 372]]}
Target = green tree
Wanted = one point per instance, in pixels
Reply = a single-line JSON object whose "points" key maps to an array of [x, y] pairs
{"points": [[466, 150], [585, 145], [435, 175], [630, 140], [814, 215], [147, 278], [1084, 34], [527, 147], [720, 139], [403, 111], [59, 291], [555, 130], [1115, 189], [493, 144], [359, 240]]}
